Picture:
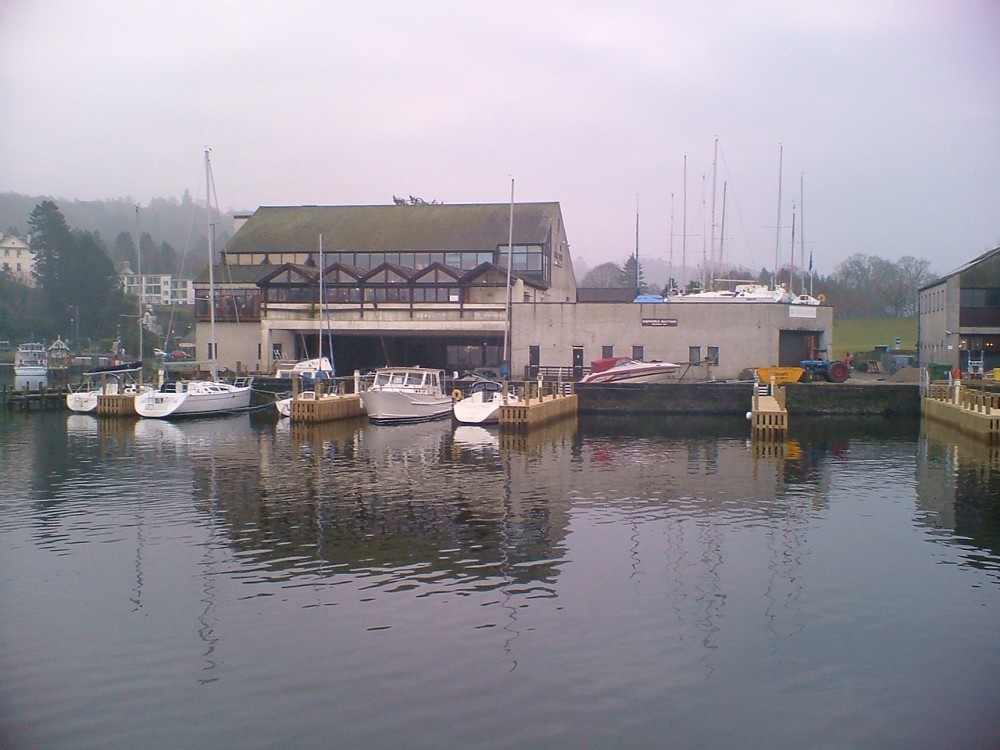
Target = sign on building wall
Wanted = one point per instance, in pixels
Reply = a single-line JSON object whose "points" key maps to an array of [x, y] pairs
{"points": [[667, 322]]}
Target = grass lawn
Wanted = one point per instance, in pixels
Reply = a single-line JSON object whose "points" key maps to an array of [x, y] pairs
{"points": [[864, 334]]}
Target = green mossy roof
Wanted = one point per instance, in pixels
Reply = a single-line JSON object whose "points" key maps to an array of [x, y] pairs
{"points": [[423, 227]]}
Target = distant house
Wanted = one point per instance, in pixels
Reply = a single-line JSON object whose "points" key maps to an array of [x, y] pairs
{"points": [[58, 355], [960, 317], [17, 258]]}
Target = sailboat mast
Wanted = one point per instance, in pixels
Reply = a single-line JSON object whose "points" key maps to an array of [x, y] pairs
{"points": [[637, 287], [684, 225], [326, 310], [791, 255], [211, 263], [777, 230], [670, 264], [722, 227], [142, 285], [510, 266], [711, 242], [802, 234]]}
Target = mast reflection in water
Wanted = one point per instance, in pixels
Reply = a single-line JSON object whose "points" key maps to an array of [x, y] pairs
{"points": [[598, 583]]}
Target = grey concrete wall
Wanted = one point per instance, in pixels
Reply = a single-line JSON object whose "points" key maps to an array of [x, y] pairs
{"points": [[747, 334], [822, 399]]}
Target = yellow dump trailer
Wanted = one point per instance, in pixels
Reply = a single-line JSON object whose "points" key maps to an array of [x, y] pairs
{"points": [[781, 375]]}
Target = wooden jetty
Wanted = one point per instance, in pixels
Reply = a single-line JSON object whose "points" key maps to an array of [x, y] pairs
{"points": [[41, 398], [768, 415], [116, 405], [313, 406], [541, 403], [969, 407]]}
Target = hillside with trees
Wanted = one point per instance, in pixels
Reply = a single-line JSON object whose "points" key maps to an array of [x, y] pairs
{"points": [[171, 231], [76, 292]]}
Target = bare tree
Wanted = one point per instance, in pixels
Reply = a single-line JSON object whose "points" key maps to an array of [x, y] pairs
{"points": [[604, 276]]}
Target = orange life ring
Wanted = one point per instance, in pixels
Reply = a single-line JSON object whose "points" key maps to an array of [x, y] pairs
{"points": [[456, 394]]}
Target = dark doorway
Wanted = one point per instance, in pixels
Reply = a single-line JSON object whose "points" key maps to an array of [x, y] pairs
{"points": [[795, 346]]}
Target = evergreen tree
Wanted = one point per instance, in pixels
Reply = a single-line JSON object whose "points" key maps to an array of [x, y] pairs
{"points": [[125, 249], [53, 243], [629, 279], [97, 292], [168, 259], [150, 257]]}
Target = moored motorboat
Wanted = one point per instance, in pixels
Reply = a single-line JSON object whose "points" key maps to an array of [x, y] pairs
{"points": [[32, 360], [307, 369], [628, 370], [406, 394], [482, 403]]}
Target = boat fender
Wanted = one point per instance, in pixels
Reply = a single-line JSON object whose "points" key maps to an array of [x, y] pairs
{"points": [[456, 394]]}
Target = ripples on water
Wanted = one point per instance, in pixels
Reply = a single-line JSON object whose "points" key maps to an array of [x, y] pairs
{"points": [[615, 583]]}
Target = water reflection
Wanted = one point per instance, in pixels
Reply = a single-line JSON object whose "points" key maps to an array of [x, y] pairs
{"points": [[597, 575], [958, 486]]}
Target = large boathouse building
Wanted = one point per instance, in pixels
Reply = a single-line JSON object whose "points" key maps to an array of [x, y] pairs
{"points": [[426, 284]]}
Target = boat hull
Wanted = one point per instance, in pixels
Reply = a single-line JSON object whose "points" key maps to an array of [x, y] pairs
{"points": [[198, 398], [83, 401], [481, 406], [396, 407], [634, 372], [31, 371], [632, 377]]}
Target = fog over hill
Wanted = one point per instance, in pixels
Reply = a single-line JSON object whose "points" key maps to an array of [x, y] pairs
{"points": [[178, 222]]}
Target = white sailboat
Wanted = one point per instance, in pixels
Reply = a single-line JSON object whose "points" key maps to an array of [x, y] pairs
{"points": [[199, 397], [483, 402], [115, 380], [311, 370]]}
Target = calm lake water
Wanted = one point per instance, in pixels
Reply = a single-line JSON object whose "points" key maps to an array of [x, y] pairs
{"points": [[659, 583]]}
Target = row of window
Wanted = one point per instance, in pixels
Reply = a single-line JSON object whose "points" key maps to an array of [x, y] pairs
{"points": [[980, 297], [353, 294], [694, 354], [530, 260], [933, 301]]}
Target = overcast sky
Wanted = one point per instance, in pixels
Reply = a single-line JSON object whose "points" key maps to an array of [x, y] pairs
{"points": [[887, 112]]}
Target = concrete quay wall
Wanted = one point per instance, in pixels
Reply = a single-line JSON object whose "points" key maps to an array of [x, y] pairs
{"points": [[844, 399]]}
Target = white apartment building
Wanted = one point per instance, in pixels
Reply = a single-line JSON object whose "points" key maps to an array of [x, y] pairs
{"points": [[157, 288]]}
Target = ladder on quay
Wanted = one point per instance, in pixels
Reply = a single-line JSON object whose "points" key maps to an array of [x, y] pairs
{"points": [[768, 415]]}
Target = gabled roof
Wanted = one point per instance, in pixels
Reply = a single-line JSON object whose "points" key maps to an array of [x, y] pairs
{"points": [[353, 271], [236, 274], [988, 255], [451, 271], [392, 268], [293, 270], [423, 227], [487, 271]]}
